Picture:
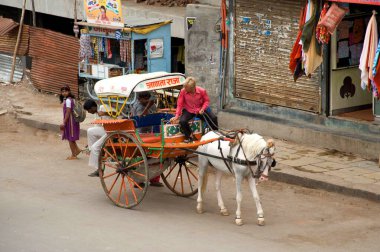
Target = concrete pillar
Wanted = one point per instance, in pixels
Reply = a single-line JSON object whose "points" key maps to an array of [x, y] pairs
{"points": [[202, 43]]}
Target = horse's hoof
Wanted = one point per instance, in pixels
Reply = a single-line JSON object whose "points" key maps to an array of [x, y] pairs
{"points": [[199, 210], [260, 221], [239, 222], [224, 212]]}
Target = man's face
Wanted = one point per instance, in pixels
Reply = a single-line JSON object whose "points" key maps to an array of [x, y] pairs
{"points": [[189, 88], [92, 110]]}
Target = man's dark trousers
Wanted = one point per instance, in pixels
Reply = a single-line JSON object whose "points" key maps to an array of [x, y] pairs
{"points": [[187, 116]]}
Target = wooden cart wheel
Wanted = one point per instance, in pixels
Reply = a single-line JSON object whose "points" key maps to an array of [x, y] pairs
{"points": [[123, 169], [181, 176]]}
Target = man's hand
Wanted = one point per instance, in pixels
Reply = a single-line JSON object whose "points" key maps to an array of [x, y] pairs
{"points": [[201, 111], [174, 119]]}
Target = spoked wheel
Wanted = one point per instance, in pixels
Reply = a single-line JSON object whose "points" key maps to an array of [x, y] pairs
{"points": [[181, 175], [123, 170]]}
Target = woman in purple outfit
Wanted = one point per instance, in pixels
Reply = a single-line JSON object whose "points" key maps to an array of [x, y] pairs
{"points": [[70, 128]]}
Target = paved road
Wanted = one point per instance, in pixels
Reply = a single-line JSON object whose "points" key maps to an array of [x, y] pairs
{"points": [[49, 204]]}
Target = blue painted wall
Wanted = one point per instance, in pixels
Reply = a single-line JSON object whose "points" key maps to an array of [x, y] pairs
{"points": [[158, 64]]}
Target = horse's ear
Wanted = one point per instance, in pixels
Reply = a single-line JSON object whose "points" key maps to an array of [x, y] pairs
{"points": [[270, 143]]}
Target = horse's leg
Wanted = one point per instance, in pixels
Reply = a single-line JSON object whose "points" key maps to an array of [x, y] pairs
{"points": [[260, 212], [218, 179], [202, 180], [239, 198]]}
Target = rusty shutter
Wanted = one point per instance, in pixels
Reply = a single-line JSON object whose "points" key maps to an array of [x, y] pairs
{"points": [[265, 31], [55, 60], [8, 41]]}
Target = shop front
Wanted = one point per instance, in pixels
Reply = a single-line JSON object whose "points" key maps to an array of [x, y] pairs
{"points": [[325, 80], [141, 46], [111, 45], [348, 99], [264, 35]]}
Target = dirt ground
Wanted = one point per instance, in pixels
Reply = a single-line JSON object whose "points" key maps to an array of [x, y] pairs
{"points": [[50, 204]]}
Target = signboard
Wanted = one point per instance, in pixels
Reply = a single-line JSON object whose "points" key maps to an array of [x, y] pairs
{"points": [[159, 83], [106, 12], [97, 31], [156, 48], [369, 2]]}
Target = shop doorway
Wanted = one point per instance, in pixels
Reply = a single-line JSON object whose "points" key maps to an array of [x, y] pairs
{"points": [[347, 98], [178, 55], [141, 57]]}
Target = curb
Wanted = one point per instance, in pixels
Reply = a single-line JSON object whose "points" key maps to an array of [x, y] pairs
{"points": [[318, 184], [45, 126], [275, 175]]}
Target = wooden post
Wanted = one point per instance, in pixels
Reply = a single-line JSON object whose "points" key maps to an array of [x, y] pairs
{"points": [[76, 28], [34, 13], [17, 42]]}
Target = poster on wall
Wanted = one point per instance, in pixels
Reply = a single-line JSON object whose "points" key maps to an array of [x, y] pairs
{"points": [[190, 22], [156, 48], [106, 12]]}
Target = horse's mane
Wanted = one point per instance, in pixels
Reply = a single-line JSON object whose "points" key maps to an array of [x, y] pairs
{"points": [[252, 145]]}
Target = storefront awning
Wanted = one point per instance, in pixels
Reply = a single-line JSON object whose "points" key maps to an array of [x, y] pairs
{"points": [[369, 2], [144, 28]]}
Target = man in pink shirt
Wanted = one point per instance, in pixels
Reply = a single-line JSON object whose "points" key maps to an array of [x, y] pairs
{"points": [[193, 101]]}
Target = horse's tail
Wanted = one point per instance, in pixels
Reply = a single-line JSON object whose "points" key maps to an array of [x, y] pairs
{"points": [[204, 182]]}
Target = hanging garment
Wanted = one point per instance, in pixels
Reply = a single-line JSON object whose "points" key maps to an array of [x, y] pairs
{"points": [[322, 33], [123, 51], [312, 50], [129, 54], [313, 57], [109, 51], [296, 53], [376, 74], [368, 54], [85, 51], [95, 47], [310, 26]]}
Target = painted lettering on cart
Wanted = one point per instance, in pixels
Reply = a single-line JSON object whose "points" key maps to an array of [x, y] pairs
{"points": [[162, 83]]}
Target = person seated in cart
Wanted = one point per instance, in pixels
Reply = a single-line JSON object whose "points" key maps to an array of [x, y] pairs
{"points": [[144, 105], [96, 134], [193, 101]]}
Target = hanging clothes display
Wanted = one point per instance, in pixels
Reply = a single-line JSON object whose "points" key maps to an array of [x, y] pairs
{"points": [[368, 54], [85, 51]]}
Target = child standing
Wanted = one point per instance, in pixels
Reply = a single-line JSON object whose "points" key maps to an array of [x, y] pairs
{"points": [[70, 128]]}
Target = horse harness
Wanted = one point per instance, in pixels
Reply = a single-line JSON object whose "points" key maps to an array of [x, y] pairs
{"points": [[230, 159]]}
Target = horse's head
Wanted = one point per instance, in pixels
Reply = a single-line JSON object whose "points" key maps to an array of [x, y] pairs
{"points": [[265, 160]]}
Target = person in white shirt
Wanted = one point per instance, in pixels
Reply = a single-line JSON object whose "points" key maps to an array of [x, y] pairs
{"points": [[96, 134]]}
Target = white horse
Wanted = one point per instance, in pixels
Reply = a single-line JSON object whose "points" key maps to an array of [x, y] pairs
{"points": [[252, 148]]}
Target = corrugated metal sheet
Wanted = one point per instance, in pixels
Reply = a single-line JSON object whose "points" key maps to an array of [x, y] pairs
{"points": [[5, 68], [55, 60], [265, 33], [8, 41], [6, 25]]}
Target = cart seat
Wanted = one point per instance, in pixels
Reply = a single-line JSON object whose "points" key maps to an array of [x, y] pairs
{"points": [[151, 120]]}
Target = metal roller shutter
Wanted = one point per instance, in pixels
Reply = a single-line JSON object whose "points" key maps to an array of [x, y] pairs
{"points": [[265, 31]]}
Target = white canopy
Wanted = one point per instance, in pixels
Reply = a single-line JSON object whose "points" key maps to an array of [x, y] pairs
{"points": [[125, 84]]}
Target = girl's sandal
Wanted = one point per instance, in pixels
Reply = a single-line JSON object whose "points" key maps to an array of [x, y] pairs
{"points": [[71, 158]]}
